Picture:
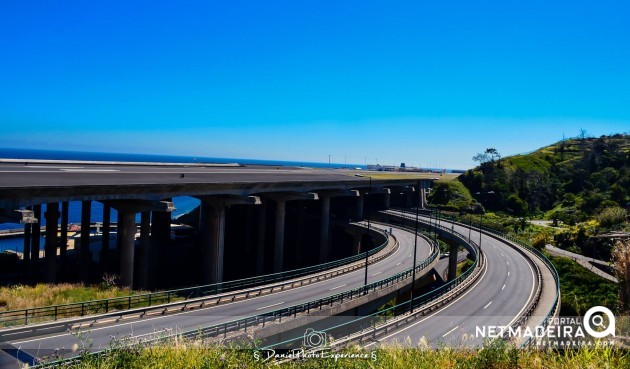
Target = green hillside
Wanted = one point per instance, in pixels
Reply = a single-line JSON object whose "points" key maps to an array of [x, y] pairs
{"points": [[572, 180]]}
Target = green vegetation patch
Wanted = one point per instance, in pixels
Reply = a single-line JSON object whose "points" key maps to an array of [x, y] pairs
{"points": [[22, 296], [528, 163], [581, 290], [451, 195], [463, 266]]}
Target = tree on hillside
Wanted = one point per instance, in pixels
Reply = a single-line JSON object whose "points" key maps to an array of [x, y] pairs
{"points": [[490, 155], [493, 153]]}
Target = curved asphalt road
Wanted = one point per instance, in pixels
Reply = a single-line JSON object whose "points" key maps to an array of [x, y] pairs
{"points": [[496, 299], [99, 338]]}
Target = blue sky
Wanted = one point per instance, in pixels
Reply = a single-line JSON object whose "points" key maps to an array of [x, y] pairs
{"points": [[428, 83]]}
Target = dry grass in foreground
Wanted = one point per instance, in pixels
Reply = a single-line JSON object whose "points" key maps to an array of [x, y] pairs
{"points": [[191, 354]]}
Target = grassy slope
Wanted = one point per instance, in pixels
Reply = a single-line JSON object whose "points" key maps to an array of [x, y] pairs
{"points": [[566, 156], [20, 297]]}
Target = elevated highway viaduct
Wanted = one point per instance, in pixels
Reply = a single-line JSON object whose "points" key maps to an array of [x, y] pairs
{"points": [[147, 189]]}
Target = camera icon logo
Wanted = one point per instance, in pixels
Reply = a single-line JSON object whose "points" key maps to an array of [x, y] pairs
{"points": [[314, 339]]}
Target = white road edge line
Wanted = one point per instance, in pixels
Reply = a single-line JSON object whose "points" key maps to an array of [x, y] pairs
{"points": [[530, 292], [487, 305], [268, 306]]}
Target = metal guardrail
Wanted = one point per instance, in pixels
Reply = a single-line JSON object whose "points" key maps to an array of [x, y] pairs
{"points": [[279, 314], [556, 305], [21, 317], [380, 322], [382, 325], [292, 311]]}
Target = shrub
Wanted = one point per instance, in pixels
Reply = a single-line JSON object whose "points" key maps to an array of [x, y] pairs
{"points": [[611, 217], [541, 240], [517, 204]]}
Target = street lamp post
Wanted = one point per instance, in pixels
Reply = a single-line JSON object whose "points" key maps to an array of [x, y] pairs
{"points": [[367, 238], [481, 215], [415, 247], [480, 224]]}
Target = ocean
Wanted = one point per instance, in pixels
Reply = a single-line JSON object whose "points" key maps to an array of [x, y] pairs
{"points": [[101, 156]]}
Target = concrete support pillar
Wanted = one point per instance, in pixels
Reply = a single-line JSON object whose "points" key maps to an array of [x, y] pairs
{"points": [[84, 252], [278, 248], [422, 195], [126, 234], [145, 250], [107, 212], [359, 208], [356, 243], [260, 245], [299, 250], [212, 227], [27, 243], [160, 236], [63, 241], [35, 239], [127, 210], [52, 224], [409, 199], [249, 220], [452, 262], [324, 232]]}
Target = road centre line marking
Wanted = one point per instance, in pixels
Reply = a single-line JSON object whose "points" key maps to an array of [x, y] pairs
{"points": [[487, 305], [376, 274], [334, 288], [449, 332], [438, 311]]}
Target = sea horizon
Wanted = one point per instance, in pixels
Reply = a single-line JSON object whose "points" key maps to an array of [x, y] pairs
{"points": [[22, 153]]}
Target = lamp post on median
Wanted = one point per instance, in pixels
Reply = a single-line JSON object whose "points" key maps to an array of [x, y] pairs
{"points": [[470, 227], [481, 215], [480, 225], [367, 238], [415, 247]]}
